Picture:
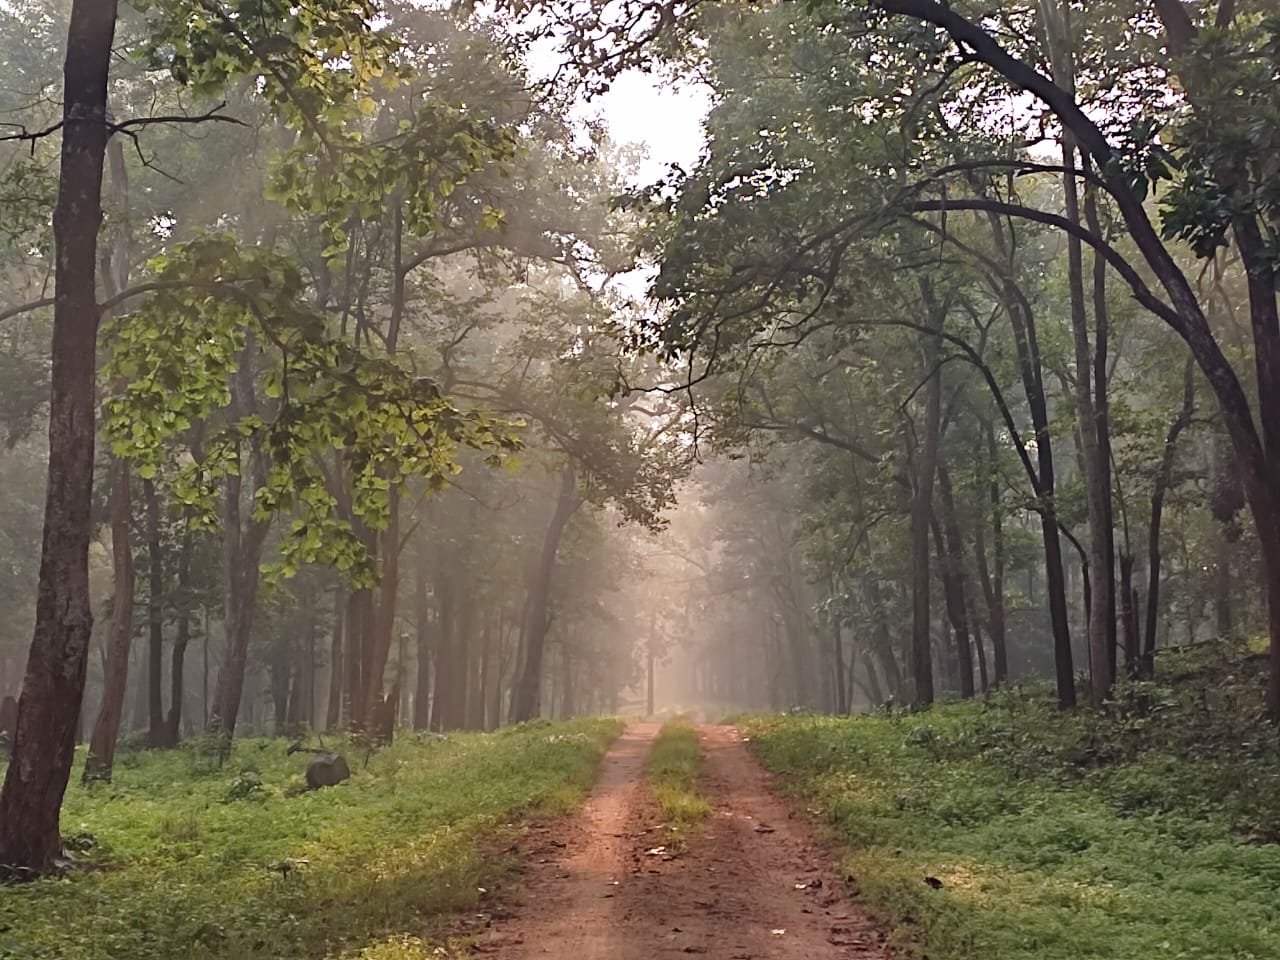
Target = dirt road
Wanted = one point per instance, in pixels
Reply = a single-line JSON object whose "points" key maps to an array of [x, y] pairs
{"points": [[751, 886]]}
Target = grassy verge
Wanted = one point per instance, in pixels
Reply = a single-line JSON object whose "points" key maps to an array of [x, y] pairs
{"points": [[1147, 831], [198, 862], [674, 766]]}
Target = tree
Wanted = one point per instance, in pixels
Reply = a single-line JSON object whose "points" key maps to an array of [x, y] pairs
{"points": [[49, 707]]}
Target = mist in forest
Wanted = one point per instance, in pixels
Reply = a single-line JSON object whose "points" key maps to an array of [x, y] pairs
{"points": [[375, 370]]}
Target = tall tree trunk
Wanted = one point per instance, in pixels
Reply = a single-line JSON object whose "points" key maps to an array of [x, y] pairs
{"points": [[882, 642], [492, 637], [1129, 619], [178, 660], [568, 707], [476, 673], [242, 554], [156, 734], [528, 693], [1102, 428], [493, 711], [333, 708], [53, 687], [951, 558], [422, 624], [443, 714], [360, 614], [1101, 609], [106, 730], [924, 455], [1022, 320], [299, 704], [650, 662], [1163, 479], [385, 615], [991, 575], [837, 652]]}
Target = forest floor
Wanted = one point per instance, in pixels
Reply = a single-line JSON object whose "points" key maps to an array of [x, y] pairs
{"points": [[185, 856], [748, 883], [1007, 829]]}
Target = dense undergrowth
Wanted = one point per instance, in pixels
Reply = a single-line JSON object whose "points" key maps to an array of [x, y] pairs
{"points": [[1005, 829], [189, 859], [674, 767]]}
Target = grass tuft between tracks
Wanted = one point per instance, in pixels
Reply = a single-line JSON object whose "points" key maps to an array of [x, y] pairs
{"points": [[674, 768]]}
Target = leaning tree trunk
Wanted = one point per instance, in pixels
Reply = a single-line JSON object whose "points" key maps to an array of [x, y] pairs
{"points": [[53, 687], [1026, 342], [106, 730], [528, 693]]}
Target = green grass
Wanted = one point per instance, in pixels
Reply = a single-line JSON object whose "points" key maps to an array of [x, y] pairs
{"points": [[674, 766], [186, 857], [1145, 831]]}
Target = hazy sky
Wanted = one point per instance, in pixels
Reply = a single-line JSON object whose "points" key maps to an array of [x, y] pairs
{"points": [[667, 119]]}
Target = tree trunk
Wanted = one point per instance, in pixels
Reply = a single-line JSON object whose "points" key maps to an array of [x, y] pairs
{"points": [[384, 617], [1163, 479], [1102, 427], [242, 554], [567, 705], [1101, 606], [1258, 456], [422, 624], [155, 616], [837, 651], [486, 679], [952, 557], [116, 266], [1022, 320], [528, 693], [106, 730], [178, 661], [924, 459], [882, 642], [53, 686], [333, 709], [991, 575], [1129, 619], [444, 713]]}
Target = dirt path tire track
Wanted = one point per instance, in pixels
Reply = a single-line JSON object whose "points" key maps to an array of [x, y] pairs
{"points": [[753, 885]]}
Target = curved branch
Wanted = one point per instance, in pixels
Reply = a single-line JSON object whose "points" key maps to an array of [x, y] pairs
{"points": [[1141, 292]]}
